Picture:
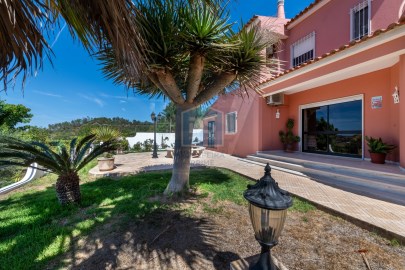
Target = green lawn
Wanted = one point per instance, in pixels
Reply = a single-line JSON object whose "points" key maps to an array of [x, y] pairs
{"points": [[34, 229]]}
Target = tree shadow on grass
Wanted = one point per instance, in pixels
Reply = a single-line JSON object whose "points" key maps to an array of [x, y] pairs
{"points": [[166, 239], [121, 222]]}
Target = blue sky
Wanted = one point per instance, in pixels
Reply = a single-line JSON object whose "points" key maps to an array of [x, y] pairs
{"points": [[74, 86]]}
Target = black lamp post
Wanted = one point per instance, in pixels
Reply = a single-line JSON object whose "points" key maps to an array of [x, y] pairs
{"points": [[154, 119], [268, 206]]}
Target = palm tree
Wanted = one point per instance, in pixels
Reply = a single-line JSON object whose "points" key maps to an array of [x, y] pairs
{"points": [[169, 114], [191, 55], [64, 162]]}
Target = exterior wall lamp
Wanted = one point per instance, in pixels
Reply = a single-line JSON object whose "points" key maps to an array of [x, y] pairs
{"points": [[268, 206], [278, 114], [396, 95]]}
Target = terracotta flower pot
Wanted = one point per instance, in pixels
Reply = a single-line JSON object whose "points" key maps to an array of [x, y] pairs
{"points": [[105, 164], [289, 148], [378, 158]]}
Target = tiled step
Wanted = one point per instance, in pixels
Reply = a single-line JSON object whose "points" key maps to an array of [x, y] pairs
{"points": [[353, 171], [379, 186]]}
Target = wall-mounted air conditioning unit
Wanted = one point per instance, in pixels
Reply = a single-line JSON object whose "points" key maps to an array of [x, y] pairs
{"points": [[276, 99]]}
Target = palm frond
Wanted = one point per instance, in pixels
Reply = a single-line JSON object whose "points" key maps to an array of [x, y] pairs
{"points": [[47, 151], [98, 150], [205, 27], [7, 163], [23, 46], [105, 133], [89, 138], [64, 155], [12, 148], [99, 24], [82, 153]]}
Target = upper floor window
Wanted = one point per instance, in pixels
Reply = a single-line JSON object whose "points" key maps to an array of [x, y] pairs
{"points": [[360, 20], [303, 50], [230, 123]]}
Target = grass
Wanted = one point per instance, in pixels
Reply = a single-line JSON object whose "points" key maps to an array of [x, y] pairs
{"points": [[395, 243], [34, 228], [302, 206]]}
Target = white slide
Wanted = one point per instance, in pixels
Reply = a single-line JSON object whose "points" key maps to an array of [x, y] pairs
{"points": [[31, 174]]}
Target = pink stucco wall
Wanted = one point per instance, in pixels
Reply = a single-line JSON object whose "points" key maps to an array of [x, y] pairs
{"points": [[382, 122], [258, 126], [246, 139], [331, 24], [364, 56], [384, 13]]}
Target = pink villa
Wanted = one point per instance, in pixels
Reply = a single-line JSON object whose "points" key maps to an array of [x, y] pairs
{"points": [[343, 69]]}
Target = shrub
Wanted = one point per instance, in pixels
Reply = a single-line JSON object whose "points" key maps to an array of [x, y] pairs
{"points": [[138, 147], [148, 145]]}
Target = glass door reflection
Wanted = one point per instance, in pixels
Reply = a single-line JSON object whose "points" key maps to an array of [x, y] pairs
{"points": [[334, 129]]}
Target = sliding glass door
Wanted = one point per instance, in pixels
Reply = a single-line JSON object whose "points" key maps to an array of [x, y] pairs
{"points": [[334, 129]]}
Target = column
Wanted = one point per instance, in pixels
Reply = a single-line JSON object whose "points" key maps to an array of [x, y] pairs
{"points": [[401, 104]]}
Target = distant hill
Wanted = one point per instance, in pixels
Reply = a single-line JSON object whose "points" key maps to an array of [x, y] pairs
{"points": [[78, 127]]}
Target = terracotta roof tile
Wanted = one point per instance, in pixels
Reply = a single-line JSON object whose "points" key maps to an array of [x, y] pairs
{"points": [[251, 20], [340, 49], [308, 8]]}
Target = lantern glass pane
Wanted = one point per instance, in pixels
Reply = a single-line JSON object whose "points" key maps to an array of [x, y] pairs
{"points": [[267, 224]]}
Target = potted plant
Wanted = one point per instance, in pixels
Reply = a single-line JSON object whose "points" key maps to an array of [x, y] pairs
{"points": [[105, 133], [288, 138], [106, 162], [378, 149]]}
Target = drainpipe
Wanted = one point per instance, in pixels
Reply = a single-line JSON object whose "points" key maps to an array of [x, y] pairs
{"points": [[280, 10]]}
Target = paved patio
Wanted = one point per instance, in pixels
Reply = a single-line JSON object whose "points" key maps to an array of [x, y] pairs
{"points": [[386, 218]]}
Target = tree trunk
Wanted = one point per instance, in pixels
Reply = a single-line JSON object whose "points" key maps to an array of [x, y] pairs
{"points": [[182, 151], [68, 188]]}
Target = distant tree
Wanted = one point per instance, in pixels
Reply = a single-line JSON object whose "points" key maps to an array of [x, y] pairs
{"points": [[84, 126], [199, 116], [11, 115], [169, 114], [38, 134]]}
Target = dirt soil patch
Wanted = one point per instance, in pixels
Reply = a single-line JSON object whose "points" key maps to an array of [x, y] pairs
{"points": [[200, 234]]}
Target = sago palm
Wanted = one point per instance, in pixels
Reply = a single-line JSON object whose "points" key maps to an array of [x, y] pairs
{"points": [[64, 162], [106, 133]]}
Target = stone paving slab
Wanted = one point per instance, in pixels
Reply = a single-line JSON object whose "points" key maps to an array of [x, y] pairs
{"points": [[373, 214]]}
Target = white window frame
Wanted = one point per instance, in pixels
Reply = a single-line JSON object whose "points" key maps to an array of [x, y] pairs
{"points": [[363, 4], [236, 123], [311, 36], [331, 102]]}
